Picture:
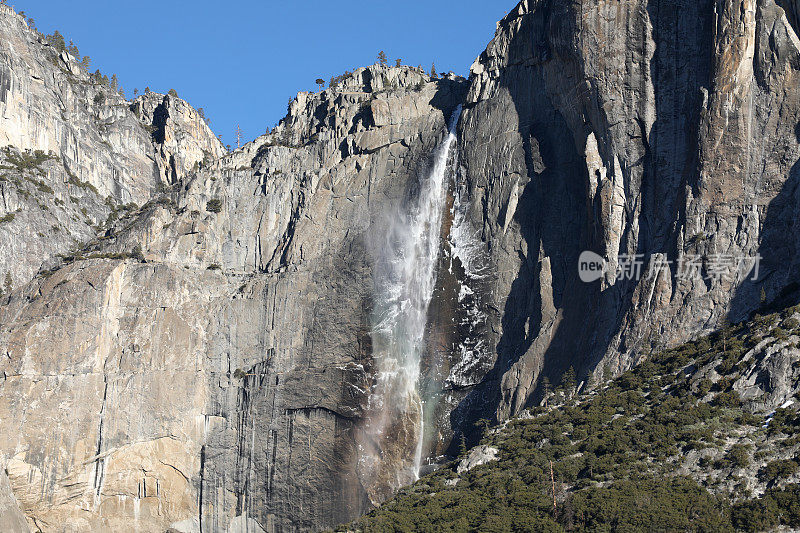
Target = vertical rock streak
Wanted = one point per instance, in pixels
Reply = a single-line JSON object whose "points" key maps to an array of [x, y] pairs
{"points": [[405, 276]]}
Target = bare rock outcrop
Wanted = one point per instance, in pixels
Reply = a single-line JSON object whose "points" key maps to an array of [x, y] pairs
{"points": [[49, 102], [76, 154], [13, 519], [183, 139]]}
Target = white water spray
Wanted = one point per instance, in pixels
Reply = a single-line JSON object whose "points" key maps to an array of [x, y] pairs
{"points": [[405, 277]]}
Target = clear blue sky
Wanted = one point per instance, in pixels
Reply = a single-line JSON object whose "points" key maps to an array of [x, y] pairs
{"points": [[243, 61]]}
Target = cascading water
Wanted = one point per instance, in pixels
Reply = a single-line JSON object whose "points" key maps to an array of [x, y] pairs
{"points": [[405, 276]]}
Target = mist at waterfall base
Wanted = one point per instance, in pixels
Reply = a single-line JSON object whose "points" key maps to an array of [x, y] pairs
{"points": [[391, 447]]}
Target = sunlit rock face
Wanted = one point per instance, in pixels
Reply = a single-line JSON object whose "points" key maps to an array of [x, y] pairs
{"points": [[48, 102], [221, 379], [73, 151], [183, 140]]}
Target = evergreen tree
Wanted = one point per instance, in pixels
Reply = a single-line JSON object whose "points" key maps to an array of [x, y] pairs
{"points": [[398, 62], [382, 58], [135, 92], [173, 92], [547, 389], [558, 396], [137, 254], [433, 70], [724, 326], [114, 83], [569, 382], [320, 83], [483, 426], [590, 382], [86, 62], [56, 40], [608, 375], [238, 133]]}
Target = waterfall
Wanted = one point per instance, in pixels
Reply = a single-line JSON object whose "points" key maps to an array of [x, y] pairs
{"points": [[405, 276]]}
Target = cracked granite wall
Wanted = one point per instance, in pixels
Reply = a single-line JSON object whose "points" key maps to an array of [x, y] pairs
{"points": [[98, 151], [664, 128], [218, 383]]}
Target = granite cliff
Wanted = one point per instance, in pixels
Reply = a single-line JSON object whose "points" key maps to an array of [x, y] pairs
{"points": [[76, 153], [192, 348], [663, 129], [213, 365]]}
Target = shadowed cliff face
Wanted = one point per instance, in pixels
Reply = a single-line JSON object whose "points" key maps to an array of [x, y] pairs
{"points": [[654, 128]]}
